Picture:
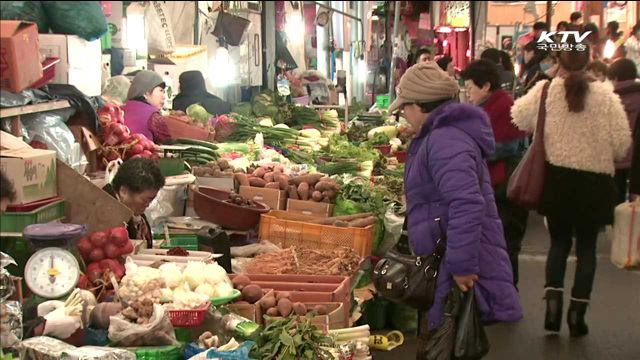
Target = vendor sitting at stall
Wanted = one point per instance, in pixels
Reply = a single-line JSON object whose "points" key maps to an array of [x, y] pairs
{"points": [[142, 111], [135, 185], [194, 91], [7, 192]]}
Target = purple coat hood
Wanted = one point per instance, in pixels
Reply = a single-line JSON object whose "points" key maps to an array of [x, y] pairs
{"points": [[137, 115], [445, 166]]}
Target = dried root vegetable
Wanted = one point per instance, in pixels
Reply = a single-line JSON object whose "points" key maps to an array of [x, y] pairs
{"points": [[306, 261]]}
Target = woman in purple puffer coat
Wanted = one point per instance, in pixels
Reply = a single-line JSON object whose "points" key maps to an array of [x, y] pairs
{"points": [[447, 178]]}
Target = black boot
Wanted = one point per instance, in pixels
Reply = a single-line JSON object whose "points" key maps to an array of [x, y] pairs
{"points": [[575, 318], [553, 317]]}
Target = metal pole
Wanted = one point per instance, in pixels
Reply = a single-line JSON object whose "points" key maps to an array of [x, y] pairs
{"points": [[549, 14], [341, 13], [392, 84]]}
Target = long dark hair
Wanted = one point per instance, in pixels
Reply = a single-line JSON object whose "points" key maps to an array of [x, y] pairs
{"points": [[576, 84], [505, 60]]}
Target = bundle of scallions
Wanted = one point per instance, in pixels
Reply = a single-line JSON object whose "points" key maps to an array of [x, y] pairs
{"points": [[307, 140]]}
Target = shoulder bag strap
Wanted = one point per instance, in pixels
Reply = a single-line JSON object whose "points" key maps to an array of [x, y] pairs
{"points": [[542, 113]]}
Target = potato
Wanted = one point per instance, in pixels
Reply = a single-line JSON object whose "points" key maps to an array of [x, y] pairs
{"points": [[279, 169], [330, 194], [300, 309], [239, 170], [198, 171], [223, 164], [240, 281], [209, 172], [252, 293], [243, 179], [212, 165], [320, 310], [303, 191], [293, 192], [273, 312], [323, 186], [316, 196], [269, 177], [257, 182], [268, 303], [283, 295], [259, 173], [273, 185], [285, 307]]}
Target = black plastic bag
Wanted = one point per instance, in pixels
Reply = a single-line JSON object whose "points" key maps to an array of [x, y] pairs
{"points": [[471, 341]]}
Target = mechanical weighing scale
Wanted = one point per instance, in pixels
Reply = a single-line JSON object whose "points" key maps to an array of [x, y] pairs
{"points": [[52, 272]]}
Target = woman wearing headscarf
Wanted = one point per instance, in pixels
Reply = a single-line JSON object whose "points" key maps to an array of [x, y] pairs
{"points": [[194, 91], [448, 190], [142, 111]]}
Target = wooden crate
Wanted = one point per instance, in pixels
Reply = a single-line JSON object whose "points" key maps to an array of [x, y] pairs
{"points": [[288, 229]]}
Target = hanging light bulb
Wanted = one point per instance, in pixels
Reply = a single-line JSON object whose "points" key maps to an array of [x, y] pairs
{"points": [[221, 68], [362, 70], [445, 43], [609, 49], [468, 53]]}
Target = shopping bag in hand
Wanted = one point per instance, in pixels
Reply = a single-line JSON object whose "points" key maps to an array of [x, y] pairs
{"points": [[471, 341]]}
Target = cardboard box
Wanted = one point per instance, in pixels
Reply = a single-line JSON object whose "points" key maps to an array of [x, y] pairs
{"points": [[310, 208], [32, 172], [20, 65], [80, 61], [88, 204], [252, 312], [90, 145], [275, 199], [227, 184], [332, 321]]}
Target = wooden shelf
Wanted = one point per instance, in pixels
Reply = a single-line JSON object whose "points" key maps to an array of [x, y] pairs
{"points": [[16, 112], [31, 109]]}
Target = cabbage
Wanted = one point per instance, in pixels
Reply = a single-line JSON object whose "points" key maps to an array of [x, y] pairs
{"points": [[244, 109], [195, 274], [223, 289], [215, 274], [206, 289], [172, 275], [199, 113]]}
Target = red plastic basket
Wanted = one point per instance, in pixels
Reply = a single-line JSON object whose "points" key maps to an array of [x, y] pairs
{"points": [[32, 206], [188, 318]]}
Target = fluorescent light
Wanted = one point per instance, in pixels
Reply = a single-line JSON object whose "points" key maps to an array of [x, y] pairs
{"points": [[294, 28], [461, 29], [445, 43], [609, 49], [444, 29], [222, 70], [375, 18], [469, 53], [362, 70]]}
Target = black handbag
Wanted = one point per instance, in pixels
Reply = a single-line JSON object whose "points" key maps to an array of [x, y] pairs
{"points": [[410, 280]]}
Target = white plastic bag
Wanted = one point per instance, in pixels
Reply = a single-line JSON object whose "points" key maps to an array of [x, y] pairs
{"points": [[625, 245], [158, 29], [112, 170], [157, 332]]}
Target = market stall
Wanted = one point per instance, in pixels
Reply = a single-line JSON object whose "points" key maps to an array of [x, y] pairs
{"points": [[258, 229]]}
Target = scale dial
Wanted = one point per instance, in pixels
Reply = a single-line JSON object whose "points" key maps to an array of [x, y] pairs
{"points": [[52, 273]]}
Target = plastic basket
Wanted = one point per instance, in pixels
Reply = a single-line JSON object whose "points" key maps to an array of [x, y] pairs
{"points": [[188, 318], [289, 229], [157, 353], [16, 222], [187, 242]]}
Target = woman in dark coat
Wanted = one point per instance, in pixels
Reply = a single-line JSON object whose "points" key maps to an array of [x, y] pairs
{"points": [[135, 185], [194, 91]]}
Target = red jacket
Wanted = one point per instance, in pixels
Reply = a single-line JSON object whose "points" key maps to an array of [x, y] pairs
{"points": [[498, 107]]}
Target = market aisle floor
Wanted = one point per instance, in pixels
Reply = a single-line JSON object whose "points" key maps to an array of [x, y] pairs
{"points": [[614, 316]]}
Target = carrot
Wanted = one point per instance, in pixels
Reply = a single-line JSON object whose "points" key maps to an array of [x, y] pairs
{"points": [[331, 220], [257, 182], [303, 191], [293, 193], [316, 196], [311, 179], [243, 179]]}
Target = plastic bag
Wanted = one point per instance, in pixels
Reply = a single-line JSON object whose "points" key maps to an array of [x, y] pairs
{"points": [[625, 247], [141, 282], [392, 230], [11, 319], [223, 127], [157, 332], [241, 353], [43, 348], [264, 247], [25, 10], [83, 18], [161, 207], [158, 29], [116, 89], [7, 286], [112, 170], [50, 129], [471, 340]]}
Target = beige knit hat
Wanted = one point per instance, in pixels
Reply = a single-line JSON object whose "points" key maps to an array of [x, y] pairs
{"points": [[424, 82]]}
